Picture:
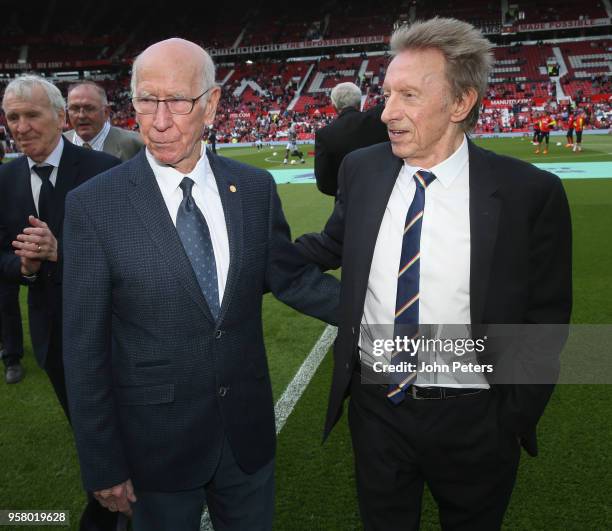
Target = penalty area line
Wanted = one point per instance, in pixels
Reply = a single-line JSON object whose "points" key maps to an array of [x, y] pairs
{"points": [[287, 402]]}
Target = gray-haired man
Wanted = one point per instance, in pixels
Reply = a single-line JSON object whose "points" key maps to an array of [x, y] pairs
{"points": [[350, 131], [431, 229], [33, 188]]}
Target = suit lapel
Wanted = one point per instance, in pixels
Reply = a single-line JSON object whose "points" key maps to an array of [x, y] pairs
{"points": [[149, 204], [484, 217], [373, 199], [232, 210], [111, 144], [67, 175], [24, 182]]}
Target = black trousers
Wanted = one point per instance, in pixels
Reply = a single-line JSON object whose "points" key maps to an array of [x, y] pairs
{"points": [[54, 367], [11, 329], [455, 446]]}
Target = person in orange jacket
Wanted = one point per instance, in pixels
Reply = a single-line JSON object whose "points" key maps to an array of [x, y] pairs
{"points": [[579, 126], [546, 123]]}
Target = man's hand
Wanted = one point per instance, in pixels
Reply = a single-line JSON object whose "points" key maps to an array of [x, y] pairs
{"points": [[117, 498], [29, 267], [36, 242]]}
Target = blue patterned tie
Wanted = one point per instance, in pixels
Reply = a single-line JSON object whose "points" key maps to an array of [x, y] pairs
{"points": [[195, 236], [407, 299]]}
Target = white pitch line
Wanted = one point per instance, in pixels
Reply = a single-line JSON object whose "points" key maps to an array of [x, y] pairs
{"points": [[302, 378], [285, 404]]}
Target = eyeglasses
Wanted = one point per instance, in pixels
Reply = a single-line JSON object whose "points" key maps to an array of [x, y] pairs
{"points": [[148, 105], [85, 109]]}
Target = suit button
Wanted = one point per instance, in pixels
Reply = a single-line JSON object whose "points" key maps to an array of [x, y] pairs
{"points": [[218, 334], [223, 391], [347, 365]]}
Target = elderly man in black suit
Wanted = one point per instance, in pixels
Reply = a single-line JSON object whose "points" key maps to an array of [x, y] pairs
{"points": [[432, 230], [89, 114], [167, 258], [351, 130], [33, 188]]}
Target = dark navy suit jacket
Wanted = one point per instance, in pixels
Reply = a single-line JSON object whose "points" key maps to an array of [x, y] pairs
{"points": [[16, 204], [154, 382], [520, 261]]}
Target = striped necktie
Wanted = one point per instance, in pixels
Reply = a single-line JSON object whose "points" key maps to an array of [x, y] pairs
{"points": [[407, 298]]}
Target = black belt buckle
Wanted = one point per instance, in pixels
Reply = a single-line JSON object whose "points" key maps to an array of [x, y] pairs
{"points": [[418, 393]]}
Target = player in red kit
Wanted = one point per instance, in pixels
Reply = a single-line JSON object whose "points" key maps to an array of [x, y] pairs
{"points": [[579, 126], [545, 123], [570, 131], [536, 130]]}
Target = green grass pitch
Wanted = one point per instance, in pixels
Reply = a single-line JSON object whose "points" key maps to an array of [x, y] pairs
{"points": [[566, 488]]}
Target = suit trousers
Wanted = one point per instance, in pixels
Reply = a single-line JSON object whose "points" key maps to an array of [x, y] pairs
{"points": [[236, 501], [54, 367], [11, 329], [454, 445]]}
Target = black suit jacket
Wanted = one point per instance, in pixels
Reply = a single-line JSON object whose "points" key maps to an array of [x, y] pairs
{"points": [[520, 259], [16, 204], [154, 381], [350, 131]]}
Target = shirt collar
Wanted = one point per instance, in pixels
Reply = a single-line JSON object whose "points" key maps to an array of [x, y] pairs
{"points": [[169, 178], [447, 170], [54, 157], [98, 139]]}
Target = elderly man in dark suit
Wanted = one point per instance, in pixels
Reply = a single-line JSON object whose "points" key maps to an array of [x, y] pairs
{"points": [[431, 230], [33, 188], [167, 258], [89, 114], [351, 130]]}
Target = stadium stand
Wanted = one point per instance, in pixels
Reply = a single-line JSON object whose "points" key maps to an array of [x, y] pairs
{"points": [[269, 86], [555, 10]]}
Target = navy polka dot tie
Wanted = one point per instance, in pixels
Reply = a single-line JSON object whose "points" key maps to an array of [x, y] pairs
{"points": [[195, 236]]}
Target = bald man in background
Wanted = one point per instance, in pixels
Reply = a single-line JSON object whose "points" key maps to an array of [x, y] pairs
{"points": [[89, 115]]}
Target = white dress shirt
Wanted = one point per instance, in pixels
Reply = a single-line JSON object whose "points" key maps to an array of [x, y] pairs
{"points": [[97, 142], [444, 285], [206, 196], [52, 160]]}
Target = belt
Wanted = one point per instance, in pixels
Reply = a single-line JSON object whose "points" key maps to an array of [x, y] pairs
{"points": [[430, 393], [440, 393]]}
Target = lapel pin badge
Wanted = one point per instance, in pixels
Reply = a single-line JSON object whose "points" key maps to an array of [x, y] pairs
{"points": [[233, 188]]}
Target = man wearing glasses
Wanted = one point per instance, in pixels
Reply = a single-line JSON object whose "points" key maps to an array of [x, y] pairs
{"points": [[167, 258], [88, 114]]}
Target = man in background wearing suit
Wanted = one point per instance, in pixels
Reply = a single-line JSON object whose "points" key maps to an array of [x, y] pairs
{"points": [[430, 229], [167, 259], [11, 332], [33, 188], [351, 130], [89, 113], [11, 329]]}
